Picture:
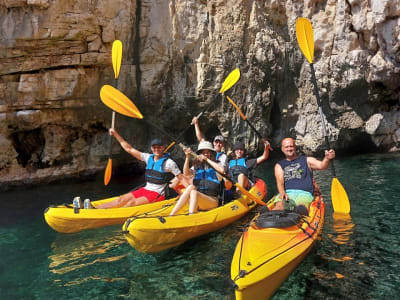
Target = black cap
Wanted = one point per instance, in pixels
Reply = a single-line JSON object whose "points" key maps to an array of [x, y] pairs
{"points": [[239, 145], [157, 142]]}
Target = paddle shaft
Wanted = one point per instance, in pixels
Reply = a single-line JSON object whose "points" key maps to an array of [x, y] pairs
{"points": [[316, 92], [243, 116], [255, 130], [112, 120], [198, 116]]}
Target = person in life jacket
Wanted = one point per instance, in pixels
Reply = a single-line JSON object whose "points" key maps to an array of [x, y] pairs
{"points": [[203, 193], [218, 144], [220, 156], [294, 178], [160, 169], [240, 168]]}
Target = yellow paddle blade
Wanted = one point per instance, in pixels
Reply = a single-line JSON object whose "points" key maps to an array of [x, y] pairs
{"points": [[229, 81], [248, 194], [116, 57], [107, 173], [340, 200], [237, 108], [305, 38], [118, 102]]}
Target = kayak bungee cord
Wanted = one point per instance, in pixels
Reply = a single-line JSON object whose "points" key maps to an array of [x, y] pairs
{"points": [[242, 273], [146, 216]]}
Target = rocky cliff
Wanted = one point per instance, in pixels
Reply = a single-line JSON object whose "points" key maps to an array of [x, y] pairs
{"points": [[55, 56]]}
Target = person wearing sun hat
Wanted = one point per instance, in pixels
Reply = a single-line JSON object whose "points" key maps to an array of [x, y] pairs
{"points": [[160, 169], [206, 187], [240, 168], [218, 144]]}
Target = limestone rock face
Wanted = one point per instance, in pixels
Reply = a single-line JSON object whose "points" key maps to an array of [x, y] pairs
{"points": [[56, 55]]}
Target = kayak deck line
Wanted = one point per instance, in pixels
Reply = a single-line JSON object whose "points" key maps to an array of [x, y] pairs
{"points": [[272, 246], [62, 218], [243, 272], [157, 232]]}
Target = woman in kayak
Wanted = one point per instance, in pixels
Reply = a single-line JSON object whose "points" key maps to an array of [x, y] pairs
{"points": [[220, 156], [206, 187], [240, 168], [160, 169], [218, 143]]}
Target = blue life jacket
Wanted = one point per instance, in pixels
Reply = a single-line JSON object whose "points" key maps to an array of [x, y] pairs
{"points": [[206, 181], [155, 171], [297, 175], [238, 166]]}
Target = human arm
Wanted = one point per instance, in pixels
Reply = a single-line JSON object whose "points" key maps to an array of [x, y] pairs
{"points": [[125, 145], [315, 164], [265, 154], [199, 134], [215, 165], [186, 166], [280, 182]]}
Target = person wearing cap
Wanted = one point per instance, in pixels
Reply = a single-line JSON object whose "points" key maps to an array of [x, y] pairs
{"points": [[218, 144], [240, 168], [160, 169], [203, 193]]}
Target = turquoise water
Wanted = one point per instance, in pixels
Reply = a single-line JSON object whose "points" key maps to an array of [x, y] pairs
{"points": [[356, 258]]}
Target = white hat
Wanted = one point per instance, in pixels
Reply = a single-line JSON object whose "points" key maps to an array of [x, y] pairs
{"points": [[219, 138], [205, 145]]}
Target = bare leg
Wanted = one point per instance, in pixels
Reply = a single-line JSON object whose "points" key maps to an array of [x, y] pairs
{"points": [[185, 181], [136, 201], [182, 200], [119, 202], [243, 181], [200, 200], [193, 201]]}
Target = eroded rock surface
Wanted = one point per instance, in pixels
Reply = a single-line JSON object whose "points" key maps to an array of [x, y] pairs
{"points": [[55, 56]]}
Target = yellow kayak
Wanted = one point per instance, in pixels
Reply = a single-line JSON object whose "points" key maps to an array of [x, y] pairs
{"points": [[271, 248], [63, 219], [155, 232]]}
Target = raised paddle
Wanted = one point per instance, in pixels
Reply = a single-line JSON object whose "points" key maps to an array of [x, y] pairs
{"points": [[121, 104], [118, 102], [229, 81], [305, 39], [241, 188], [243, 116], [116, 62]]}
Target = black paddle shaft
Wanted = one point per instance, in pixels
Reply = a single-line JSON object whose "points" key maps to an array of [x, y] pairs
{"points": [[255, 130], [316, 92], [198, 116]]}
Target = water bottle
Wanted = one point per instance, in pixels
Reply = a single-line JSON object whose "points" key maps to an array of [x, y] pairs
{"points": [[87, 204], [77, 203]]}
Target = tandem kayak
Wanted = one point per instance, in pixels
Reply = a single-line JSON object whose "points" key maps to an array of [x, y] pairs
{"points": [[272, 246], [62, 218], [155, 232]]}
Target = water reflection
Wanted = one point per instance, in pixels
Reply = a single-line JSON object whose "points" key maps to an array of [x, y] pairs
{"points": [[343, 228], [77, 251]]}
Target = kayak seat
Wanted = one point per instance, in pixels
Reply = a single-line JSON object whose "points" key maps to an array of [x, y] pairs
{"points": [[277, 219], [301, 210], [264, 209]]}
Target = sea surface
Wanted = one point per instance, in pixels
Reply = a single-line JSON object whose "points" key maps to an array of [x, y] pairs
{"points": [[356, 258]]}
